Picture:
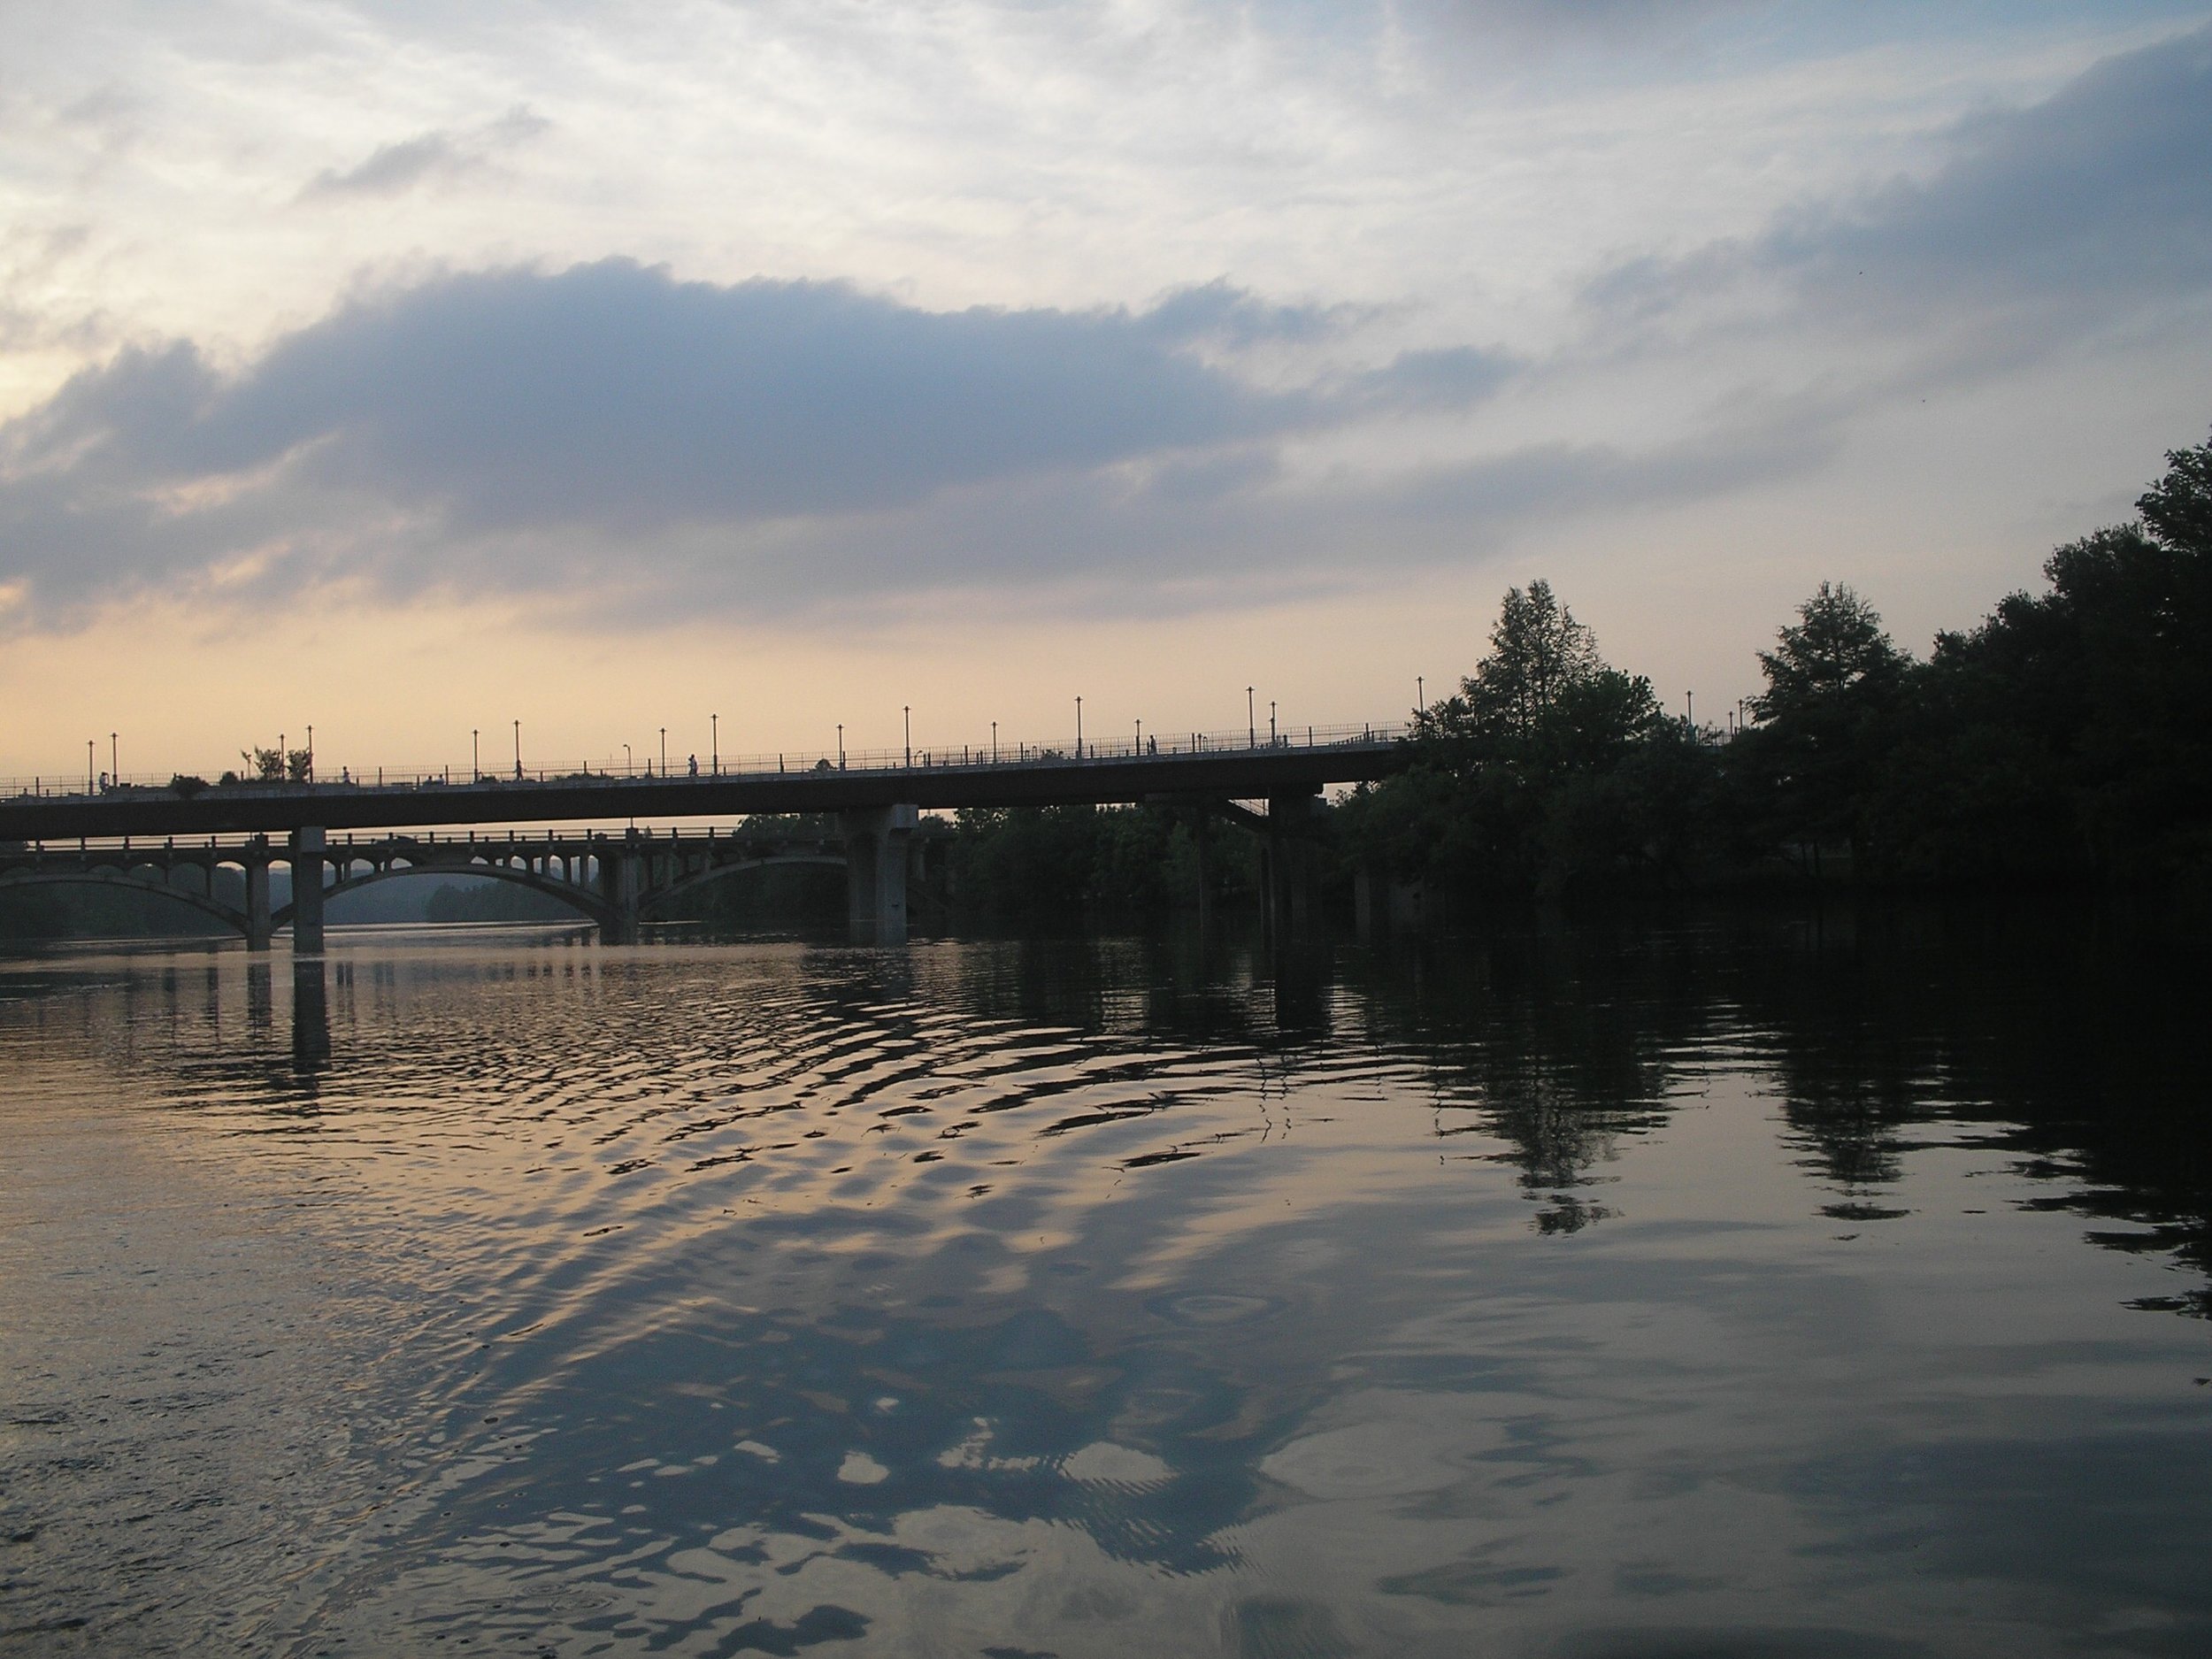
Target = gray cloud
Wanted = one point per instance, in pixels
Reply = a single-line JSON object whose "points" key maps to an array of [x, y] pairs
{"points": [[485, 430], [395, 168], [2097, 199]]}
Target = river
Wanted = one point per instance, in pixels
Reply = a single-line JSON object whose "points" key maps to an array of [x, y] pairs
{"points": [[1692, 1284]]}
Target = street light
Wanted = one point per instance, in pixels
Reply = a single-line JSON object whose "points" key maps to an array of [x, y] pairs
{"points": [[518, 751], [1139, 749], [994, 742], [476, 754], [908, 709], [1270, 723], [88, 765], [628, 766], [1251, 723], [115, 769], [1079, 728], [1420, 692], [663, 751], [310, 754], [714, 743], [841, 746]]}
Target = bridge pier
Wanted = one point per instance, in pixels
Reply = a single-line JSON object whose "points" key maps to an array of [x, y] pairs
{"points": [[1288, 859], [260, 929], [876, 845], [307, 891], [621, 889]]}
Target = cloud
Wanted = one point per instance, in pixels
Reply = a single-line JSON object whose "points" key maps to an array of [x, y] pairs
{"points": [[608, 422], [395, 168], [2095, 200]]}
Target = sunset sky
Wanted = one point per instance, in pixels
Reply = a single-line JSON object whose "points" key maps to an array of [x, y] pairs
{"points": [[407, 368]]}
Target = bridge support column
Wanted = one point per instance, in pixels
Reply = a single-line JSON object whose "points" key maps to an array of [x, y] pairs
{"points": [[307, 892], [258, 930], [876, 846], [1288, 864], [1201, 842], [622, 888]]}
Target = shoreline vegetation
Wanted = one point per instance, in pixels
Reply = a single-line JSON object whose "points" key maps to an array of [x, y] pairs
{"points": [[2064, 741]]}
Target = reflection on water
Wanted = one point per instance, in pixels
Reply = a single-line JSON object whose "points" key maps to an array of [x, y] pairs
{"points": [[1766, 1287]]}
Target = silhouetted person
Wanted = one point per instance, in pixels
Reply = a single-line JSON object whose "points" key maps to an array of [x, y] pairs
{"points": [[695, 765]]}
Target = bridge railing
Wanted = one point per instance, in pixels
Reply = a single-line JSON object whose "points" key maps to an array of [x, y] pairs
{"points": [[447, 841], [614, 771]]}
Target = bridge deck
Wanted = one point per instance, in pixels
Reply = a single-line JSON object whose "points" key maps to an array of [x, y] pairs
{"points": [[1258, 772]]}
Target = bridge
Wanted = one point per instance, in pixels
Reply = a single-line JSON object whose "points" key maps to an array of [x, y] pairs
{"points": [[172, 841]]}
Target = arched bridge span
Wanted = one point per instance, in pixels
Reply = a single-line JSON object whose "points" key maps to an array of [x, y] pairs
{"points": [[610, 879]]}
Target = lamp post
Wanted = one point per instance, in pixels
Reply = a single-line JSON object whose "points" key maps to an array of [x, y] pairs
{"points": [[476, 754], [1251, 723], [310, 754], [994, 742], [1420, 692], [714, 743], [628, 766], [841, 746], [1139, 749], [908, 709], [1079, 728], [1691, 698], [663, 751], [518, 751], [115, 769], [88, 765], [1270, 723]]}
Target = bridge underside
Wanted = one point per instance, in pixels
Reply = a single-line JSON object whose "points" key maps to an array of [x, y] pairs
{"points": [[616, 881]]}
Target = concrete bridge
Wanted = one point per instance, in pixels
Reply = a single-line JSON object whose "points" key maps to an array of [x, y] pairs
{"points": [[150, 839], [616, 880]]}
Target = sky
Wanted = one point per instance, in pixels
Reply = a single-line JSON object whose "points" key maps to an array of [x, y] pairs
{"points": [[745, 370]]}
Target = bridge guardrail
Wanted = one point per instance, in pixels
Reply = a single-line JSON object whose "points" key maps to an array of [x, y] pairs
{"points": [[613, 773]]}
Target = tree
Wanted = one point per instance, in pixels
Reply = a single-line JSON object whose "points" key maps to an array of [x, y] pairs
{"points": [[1544, 772], [1836, 652], [2072, 730], [1827, 722], [1538, 653]]}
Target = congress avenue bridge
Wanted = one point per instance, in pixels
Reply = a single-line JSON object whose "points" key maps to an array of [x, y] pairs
{"points": [[337, 837]]}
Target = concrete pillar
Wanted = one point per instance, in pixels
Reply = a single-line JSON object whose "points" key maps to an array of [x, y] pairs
{"points": [[622, 879], [876, 843], [1290, 903], [258, 930], [1201, 840], [307, 892]]}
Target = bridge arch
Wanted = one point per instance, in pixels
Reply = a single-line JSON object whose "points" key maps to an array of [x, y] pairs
{"points": [[586, 903], [111, 877]]}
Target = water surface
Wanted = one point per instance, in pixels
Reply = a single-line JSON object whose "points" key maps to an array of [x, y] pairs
{"points": [[1782, 1286]]}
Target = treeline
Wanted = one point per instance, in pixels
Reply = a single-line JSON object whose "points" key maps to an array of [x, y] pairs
{"points": [[2066, 738]]}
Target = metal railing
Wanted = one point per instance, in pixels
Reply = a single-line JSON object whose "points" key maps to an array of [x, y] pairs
{"points": [[615, 772], [361, 841]]}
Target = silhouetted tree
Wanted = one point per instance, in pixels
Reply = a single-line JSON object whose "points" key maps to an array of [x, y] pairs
{"points": [[1827, 723], [2072, 730], [1548, 768]]}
